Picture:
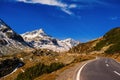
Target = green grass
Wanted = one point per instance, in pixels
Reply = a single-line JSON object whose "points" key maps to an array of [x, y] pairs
{"points": [[110, 38], [37, 70]]}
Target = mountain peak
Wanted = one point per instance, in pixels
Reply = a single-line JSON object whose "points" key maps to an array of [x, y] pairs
{"points": [[38, 31], [69, 39], [39, 39], [41, 30], [35, 34]]}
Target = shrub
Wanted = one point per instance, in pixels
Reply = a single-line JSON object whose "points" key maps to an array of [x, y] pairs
{"points": [[37, 70]]}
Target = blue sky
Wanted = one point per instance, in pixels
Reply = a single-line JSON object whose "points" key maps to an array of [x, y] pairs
{"points": [[82, 20]]}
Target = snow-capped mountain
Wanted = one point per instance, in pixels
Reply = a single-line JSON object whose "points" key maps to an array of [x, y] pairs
{"points": [[10, 41], [39, 39]]}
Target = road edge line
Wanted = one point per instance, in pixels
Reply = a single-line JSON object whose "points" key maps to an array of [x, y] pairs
{"points": [[79, 72]]}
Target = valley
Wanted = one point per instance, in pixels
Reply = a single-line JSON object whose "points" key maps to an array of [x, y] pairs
{"points": [[39, 56]]}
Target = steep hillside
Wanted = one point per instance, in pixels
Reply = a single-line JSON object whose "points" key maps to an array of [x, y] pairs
{"points": [[109, 43], [10, 41], [40, 40], [84, 48], [110, 39]]}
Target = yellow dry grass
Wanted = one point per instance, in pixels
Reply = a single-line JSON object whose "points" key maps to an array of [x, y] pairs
{"points": [[66, 58], [53, 75]]}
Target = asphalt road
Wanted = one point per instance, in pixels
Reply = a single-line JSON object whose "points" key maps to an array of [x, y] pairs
{"points": [[100, 69]]}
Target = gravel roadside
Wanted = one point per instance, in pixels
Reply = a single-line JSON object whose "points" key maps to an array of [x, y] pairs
{"points": [[70, 74]]}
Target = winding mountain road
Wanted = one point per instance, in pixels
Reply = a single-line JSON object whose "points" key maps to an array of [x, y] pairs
{"points": [[99, 69]]}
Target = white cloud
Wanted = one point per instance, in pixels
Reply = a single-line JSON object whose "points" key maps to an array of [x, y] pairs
{"points": [[63, 6], [72, 6], [46, 2], [67, 11]]}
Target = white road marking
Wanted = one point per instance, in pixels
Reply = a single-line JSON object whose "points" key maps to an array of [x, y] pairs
{"points": [[79, 72], [117, 73], [107, 65]]}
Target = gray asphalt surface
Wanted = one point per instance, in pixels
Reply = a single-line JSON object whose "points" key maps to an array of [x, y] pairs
{"points": [[101, 69]]}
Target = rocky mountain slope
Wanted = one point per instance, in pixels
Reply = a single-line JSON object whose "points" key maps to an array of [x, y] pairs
{"points": [[10, 41], [39, 39], [109, 44]]}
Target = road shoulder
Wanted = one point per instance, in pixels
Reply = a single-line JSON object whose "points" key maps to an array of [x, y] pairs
{"points": [[70, 74]]}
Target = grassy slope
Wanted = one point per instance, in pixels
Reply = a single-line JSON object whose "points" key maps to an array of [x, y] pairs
{"points": [[109, 43], [110, 38]]}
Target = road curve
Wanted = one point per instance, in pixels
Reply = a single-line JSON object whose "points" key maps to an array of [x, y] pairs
{"points": [[100, 69]]}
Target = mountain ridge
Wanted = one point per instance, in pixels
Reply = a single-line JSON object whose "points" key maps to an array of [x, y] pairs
{"points": [[10, 41], [109, 43], [39, 39]]}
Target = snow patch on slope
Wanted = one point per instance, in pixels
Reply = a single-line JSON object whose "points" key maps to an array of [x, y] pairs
{"points": [[39, 39], [10, 41]]}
